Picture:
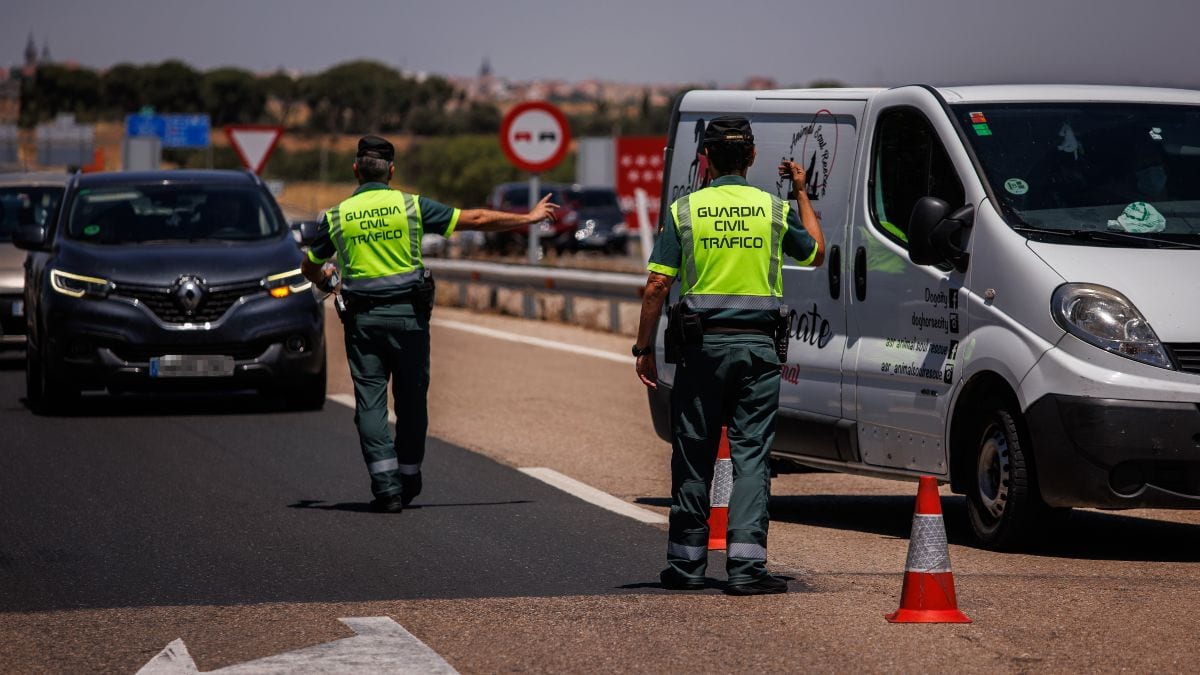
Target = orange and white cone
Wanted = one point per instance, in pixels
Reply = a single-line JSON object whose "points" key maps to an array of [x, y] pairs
{"points": [[722, 487], [928, 592]]}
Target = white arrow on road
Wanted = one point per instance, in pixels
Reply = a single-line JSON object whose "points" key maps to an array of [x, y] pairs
{"points": [[380, 646]]}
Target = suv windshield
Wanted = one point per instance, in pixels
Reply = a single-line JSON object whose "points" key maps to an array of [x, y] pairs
{"points": [[26, 206], [170, 213], [1090, 170]]}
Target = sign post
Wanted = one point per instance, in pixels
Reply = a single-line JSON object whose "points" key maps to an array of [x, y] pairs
{"points": [[535, 137]]}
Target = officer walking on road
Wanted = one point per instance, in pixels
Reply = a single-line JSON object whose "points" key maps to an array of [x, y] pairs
{"points": [[726, 244], [375, 236]]}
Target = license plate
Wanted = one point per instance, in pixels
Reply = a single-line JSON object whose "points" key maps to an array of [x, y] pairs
{"points": [[18, 308], [189, 365]]}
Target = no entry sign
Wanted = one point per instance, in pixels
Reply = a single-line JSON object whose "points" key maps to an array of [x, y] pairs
{"points": [[535, 136]]}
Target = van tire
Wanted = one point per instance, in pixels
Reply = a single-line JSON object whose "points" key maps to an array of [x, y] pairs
{"points": [[1003, 504]]}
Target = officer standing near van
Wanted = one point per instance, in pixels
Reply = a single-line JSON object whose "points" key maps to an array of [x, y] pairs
{"points": [[726, 244], [375, 237]]}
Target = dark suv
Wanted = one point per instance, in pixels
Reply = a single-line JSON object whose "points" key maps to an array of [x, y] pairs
{"points": [[169, 280]]}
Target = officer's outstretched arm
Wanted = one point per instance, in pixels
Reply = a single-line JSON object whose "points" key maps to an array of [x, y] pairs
{"points": [[486, 220]]}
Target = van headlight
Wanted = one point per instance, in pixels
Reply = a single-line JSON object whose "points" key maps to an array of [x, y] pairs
{"points": [[285, 283], [78, 285], [1105, 318]]}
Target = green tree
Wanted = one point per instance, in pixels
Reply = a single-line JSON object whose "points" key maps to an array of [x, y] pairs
{"points": [[173, 87], [359, 96], [233, 96], [58, 89], [123, 89], [286, 93]]}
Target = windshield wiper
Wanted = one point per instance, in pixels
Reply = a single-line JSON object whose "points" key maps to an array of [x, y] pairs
{"points": [[1107, 236]]}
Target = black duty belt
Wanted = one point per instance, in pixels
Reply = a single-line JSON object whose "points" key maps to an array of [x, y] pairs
{"points": [[738, 328], [359, 303]]}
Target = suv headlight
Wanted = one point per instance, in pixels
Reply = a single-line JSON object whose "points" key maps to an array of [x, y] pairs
{"points": [[285, 283], [1105, 318], [78, 285]]}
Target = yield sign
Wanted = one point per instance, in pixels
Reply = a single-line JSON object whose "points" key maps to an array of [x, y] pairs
{"points": [[253, 143]]}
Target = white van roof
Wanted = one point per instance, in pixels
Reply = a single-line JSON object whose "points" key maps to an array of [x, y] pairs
{"points": [[732, 100]]}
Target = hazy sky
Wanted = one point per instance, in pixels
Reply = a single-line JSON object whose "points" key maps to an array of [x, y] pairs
{"points": [[861, 42]]}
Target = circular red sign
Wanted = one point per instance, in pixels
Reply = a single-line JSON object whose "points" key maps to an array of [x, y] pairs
{"points": [[535, 136]]}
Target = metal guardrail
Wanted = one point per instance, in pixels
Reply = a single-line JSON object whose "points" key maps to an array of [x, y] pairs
{"points": [[612, 287]]}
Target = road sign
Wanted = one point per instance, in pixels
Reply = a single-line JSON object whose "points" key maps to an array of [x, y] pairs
{"points": [[175, 131], [638, 163], [535, 136], [253, 143]]}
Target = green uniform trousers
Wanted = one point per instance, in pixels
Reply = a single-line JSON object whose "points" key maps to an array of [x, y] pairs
{"points": [[389, 341], [731, 380]]}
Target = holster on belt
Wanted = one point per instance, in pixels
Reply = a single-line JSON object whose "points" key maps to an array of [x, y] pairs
{"points": [[684, 328], [783, 323]]}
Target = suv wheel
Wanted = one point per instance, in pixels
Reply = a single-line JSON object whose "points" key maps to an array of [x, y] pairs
{"points": [[308, 393], [44, 394]]}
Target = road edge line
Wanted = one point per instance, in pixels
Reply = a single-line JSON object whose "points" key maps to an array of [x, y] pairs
{"points": [[535, 341], [594, 496]]}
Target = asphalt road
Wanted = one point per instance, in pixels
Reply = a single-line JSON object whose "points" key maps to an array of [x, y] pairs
{"points": [[243, 530]]}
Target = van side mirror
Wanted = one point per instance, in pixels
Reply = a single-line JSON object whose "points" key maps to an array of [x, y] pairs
{"points": [[305, 232], [30, 237], [936, 235]]}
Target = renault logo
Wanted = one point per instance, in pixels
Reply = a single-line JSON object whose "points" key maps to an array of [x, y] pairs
{"points": [[189, 293]]}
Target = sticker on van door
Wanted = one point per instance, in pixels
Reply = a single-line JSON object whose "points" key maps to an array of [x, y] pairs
{"points": [[818, 155]]}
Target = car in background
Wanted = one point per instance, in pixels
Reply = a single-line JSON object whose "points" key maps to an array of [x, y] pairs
{"points": [[169, 280], [599, 222], [514, 198], [25, 199]]}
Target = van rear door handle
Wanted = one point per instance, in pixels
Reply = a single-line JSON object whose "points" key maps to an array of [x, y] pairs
{"points": [[860, 274], [835, 271]]}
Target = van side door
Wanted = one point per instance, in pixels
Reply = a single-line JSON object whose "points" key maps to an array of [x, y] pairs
{"points": [[906, 321], [821, 136]]}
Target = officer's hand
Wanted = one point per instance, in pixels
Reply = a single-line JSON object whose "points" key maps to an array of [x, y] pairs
{"points": [[328, 270], [647, 370], [792, 170], [543, 211]]}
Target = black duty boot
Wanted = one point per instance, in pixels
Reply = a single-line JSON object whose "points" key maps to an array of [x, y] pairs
{"points": [[764, 585], [388, 504], [410, 487]]}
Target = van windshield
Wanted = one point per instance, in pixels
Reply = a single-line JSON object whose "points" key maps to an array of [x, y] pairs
{"points": [[1097, 173], [171, 213]]}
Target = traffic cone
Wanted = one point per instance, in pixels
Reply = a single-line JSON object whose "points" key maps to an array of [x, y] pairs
{"points": [[928, 592], [722, 487]]}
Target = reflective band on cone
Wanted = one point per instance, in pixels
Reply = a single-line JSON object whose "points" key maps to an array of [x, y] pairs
{"points": [[928, 592], [722, 487]]}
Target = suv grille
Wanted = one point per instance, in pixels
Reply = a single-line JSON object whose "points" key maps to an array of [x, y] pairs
{"points": [[162, 301], [1186, 355]]}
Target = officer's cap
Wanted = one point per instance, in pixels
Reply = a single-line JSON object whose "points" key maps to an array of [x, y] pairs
{"points": [[374, 146], [728, 129]]}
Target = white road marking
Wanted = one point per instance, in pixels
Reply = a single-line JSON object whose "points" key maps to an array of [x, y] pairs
{"points": [[380, 646], [538, 342], [593, 496]]}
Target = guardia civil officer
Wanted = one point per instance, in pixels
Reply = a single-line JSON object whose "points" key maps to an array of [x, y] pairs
{"points": [[375, 239], [725, 243]]}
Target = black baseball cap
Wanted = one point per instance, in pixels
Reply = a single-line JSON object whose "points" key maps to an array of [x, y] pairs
{"points": [[728, 129], [374, 146]]}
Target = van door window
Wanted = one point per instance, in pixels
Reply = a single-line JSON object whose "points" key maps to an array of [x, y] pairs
{"points": [[909, 163]]}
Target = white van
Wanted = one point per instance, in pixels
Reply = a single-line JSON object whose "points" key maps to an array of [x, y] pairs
{"points": [[1011, 294]]}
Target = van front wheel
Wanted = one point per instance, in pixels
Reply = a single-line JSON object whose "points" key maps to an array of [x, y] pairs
{"points": [[1002, 500]]}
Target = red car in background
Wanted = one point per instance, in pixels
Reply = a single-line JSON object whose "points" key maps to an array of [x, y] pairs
{"points": [[514, 198]]}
